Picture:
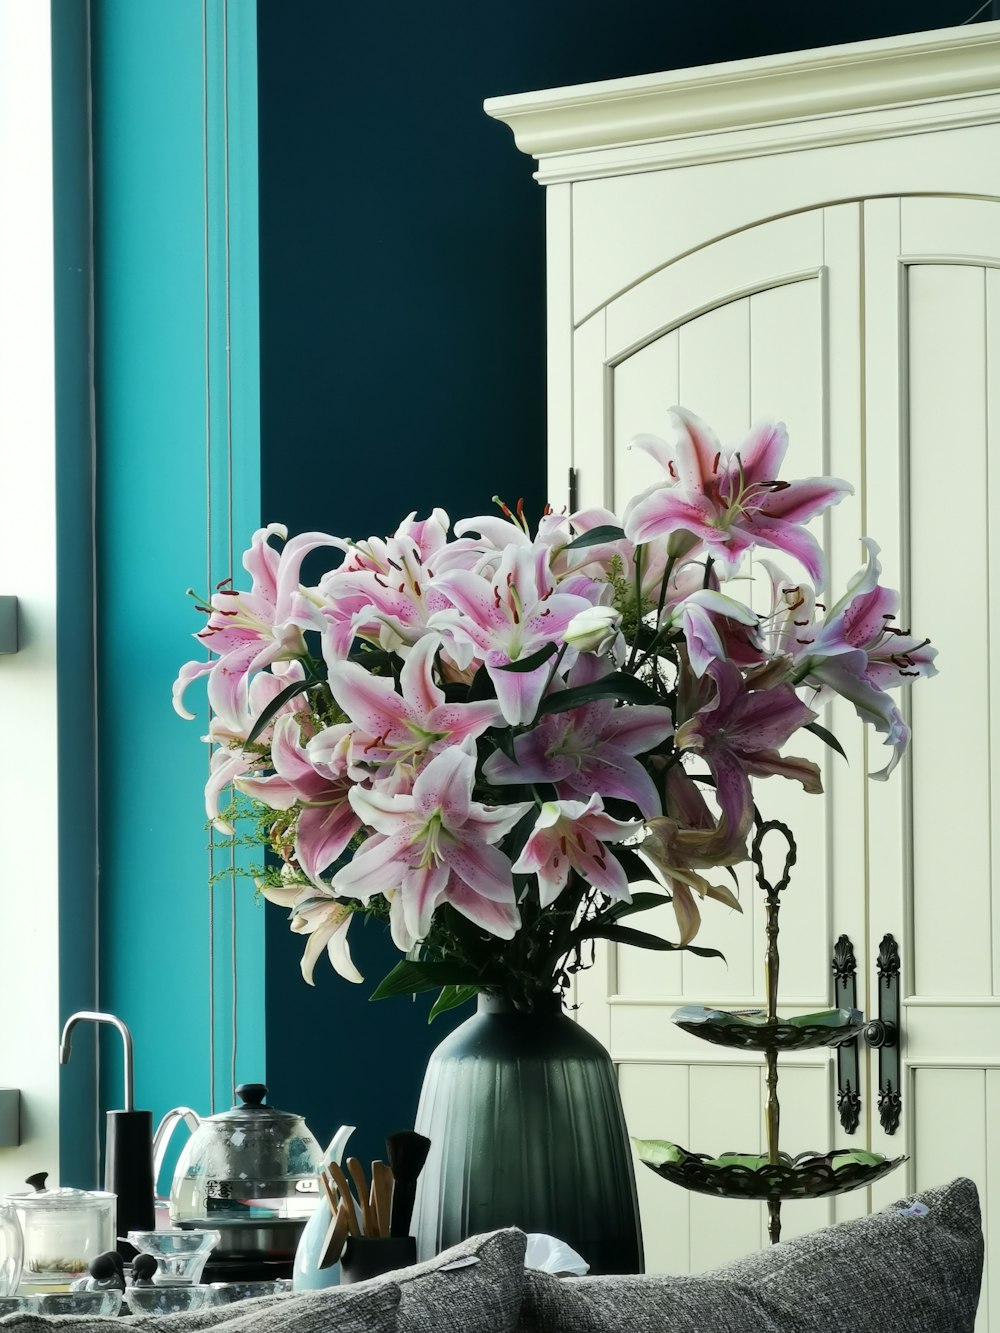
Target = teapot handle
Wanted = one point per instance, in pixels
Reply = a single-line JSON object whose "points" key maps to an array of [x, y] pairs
{"points": [[164, 1132], [10, 1269]]}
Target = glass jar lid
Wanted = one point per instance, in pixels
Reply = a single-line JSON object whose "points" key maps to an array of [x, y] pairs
{"points": [[64, 1198]]}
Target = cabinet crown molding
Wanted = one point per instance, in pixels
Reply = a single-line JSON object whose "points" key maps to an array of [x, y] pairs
{"points": [[773, 91]]}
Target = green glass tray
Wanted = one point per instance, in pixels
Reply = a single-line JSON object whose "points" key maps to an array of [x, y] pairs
{"points": [[810, 1175], [749, 1029]]}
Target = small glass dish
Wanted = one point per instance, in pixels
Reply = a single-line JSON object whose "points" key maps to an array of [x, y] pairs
{"points": [[227, 1292], [170, 1299], [181, 1253], [75, 1302], [14, 1305]]}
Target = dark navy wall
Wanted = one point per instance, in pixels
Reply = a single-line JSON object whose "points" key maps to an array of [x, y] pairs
{"points": [[402, 335]]}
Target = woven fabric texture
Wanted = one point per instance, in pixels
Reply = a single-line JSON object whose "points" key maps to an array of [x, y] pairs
{"points": [[476, 1287], [338, 1310], [888, 1273]]}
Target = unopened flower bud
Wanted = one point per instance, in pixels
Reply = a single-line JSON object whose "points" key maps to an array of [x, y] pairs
{"points": [[594, 630]]}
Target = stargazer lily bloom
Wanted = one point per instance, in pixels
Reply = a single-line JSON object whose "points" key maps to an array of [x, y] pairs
{"points": [[589, 749], [738, 732], [683, 842], [731, 499], [327, 821], [250, 630], [696, 615], [405, 727], [504, 617], [573, 835], [324, 919], [434, 845], [855, 651]]}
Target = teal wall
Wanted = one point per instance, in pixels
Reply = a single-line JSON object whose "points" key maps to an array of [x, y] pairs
{"points": [[177, 448]]}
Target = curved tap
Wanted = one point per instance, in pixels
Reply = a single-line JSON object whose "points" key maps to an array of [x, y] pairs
{"points": [[91, 1016]]}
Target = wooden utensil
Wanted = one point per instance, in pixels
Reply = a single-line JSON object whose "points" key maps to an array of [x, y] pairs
{"points": [[382, 1188], [368, 1222], [336, 1236], [340, 1180]]}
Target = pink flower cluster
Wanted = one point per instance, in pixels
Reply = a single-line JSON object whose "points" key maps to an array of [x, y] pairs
{"points": [[499, 721]]}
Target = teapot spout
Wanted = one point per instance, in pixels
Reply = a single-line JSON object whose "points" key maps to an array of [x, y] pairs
{"points": [[335, 1149]]}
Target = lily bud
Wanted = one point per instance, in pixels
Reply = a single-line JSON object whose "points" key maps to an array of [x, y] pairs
{"points": [[595, 630]]}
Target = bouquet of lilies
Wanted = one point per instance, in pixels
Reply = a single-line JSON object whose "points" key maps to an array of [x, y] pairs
{"points": [[486, 735]]}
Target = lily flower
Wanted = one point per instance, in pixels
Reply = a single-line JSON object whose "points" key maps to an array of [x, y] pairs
{"points": [[250, 630], [434, 845], [731, 499], [505, 617], [321, 917], [696, 615], [589, 749], [391, 727], [683, 842], [855, 651], [738, 732], [326, 822], [572, 835]]}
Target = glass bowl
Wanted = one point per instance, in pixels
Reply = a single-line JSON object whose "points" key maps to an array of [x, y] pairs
{"points": [[180, 1254], [169, 1299], [227, 1292], [75, 1302]]}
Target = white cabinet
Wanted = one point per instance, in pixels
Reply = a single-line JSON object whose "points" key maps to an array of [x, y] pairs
{"points": [[814, 237]]}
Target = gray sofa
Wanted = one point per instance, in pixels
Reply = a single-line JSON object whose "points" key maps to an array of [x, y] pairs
{"points": [[904, 1270]]}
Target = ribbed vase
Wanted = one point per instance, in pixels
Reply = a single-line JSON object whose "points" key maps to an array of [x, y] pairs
{"points": [[527, 1130]]}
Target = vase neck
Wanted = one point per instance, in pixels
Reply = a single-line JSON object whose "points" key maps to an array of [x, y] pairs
{"points": [[547, 1004]]}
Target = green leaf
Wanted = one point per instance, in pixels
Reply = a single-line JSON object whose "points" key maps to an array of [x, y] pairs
{"points": [[503, 739], [275, 706], [641, 939], [859, 1157], [827, 736], [411, 978], [533, 661], [607, 532], [633, 864], [658, 1152], [450, 998], [618, 685], [482, 687], [641, 902]]}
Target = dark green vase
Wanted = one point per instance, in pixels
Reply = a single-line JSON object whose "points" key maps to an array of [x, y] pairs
{"points": [[526, 1130]]}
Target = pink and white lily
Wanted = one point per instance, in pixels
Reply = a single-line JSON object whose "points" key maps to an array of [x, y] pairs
{"points": [[250, 630], [731, 499], [738, 732], [505, 617], [435, 845], [326, 821], [321, 917], [573, 835], [855, 651], [399, 727], [589, 749], [697, 615]]}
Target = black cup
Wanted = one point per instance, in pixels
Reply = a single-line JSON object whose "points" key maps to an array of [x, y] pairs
{"points": [[371, 1256]]}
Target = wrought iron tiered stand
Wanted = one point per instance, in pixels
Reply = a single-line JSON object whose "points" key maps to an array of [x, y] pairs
{"points": [[775, 1176]]}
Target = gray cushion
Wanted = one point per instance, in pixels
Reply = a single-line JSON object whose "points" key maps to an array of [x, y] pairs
{"points": [[480, 1295], [889, 1273], [367, 1308]]}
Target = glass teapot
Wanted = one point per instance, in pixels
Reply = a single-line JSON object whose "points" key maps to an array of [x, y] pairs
{"points": [[252, 1161], [11, 1249]]}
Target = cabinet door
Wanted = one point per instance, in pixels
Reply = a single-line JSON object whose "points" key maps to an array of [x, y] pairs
{"points": [[932, 487], [762, 323]]}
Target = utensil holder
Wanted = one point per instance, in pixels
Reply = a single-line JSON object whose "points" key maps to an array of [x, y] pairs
{"points": [[371, 1256]]}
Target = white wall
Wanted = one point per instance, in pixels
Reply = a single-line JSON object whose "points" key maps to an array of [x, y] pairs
{"points": [[29, 941]]}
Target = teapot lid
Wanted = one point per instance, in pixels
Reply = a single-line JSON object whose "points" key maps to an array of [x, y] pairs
{"points": [[67, 1198], [252, 1111]]}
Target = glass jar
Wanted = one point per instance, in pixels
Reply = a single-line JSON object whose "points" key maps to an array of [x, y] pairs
{"points": [[63, 1229]]}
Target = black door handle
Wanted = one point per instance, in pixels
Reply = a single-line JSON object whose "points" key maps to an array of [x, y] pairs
{"points": [[883, 1035], [845, 989]]}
